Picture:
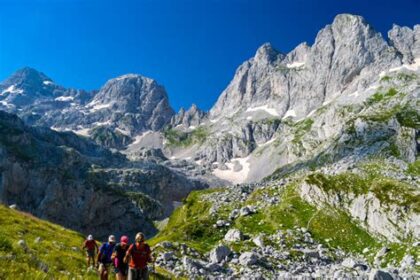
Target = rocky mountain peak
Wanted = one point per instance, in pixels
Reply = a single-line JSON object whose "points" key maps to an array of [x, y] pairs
{"points": [[131, 92], [193, 108], [266, 53], [351, 28], [347, 20], [27, 79]]}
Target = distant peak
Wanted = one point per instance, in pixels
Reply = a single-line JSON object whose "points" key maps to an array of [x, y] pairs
{"points": [[132, 76], [266, 53], [27, 76], [29, 72]]}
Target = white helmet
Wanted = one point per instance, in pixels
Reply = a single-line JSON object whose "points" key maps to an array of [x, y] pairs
{"points": [[90, 237], [111, 239]]}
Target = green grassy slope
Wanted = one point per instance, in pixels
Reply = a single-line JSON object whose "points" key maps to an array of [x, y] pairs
{"points": [[56, 256]]}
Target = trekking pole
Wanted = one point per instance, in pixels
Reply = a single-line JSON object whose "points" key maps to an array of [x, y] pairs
{"points": [[154, 268]]}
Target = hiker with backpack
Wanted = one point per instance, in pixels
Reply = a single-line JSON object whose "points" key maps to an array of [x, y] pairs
{"points": [[105, 257], [138, 256], [120, 250], [91, 248]]}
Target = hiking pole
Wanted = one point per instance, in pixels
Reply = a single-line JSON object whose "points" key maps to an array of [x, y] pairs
{"points": [[153, 266]]}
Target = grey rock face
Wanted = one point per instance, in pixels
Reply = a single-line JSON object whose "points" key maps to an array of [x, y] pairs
{"points": [[71, 181], [406, 41], [333, 64], [140, 100], [241, 92]]}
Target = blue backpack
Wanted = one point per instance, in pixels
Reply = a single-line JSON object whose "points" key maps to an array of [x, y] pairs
{"points": [[106, 253]]}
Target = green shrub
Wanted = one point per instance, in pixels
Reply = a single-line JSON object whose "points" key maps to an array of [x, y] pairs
{"points": [[379, 97], [409, 117]]}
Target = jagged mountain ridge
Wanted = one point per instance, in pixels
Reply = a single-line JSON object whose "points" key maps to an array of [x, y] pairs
{"points": [[272, 91], [346, 61]]}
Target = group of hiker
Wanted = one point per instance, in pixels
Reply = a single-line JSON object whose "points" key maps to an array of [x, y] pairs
{"points": [[127, 260]]}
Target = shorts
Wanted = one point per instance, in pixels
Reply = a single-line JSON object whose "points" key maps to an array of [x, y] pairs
{"points": [[90, 253], [104, 267], [122, 269], [138, 274]]}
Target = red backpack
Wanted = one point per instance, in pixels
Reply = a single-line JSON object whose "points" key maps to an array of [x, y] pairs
{"points": [[140, 255]]}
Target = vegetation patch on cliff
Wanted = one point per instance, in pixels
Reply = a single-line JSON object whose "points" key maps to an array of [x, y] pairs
{"points": [[387, 190], [177, 138]]}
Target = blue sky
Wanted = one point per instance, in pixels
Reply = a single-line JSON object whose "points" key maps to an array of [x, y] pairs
{"points": [[192, 47]]}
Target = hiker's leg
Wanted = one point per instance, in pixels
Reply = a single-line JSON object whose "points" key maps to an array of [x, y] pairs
{"points": [[101, 271], [144, 274], [132, 275], [106, 272]]}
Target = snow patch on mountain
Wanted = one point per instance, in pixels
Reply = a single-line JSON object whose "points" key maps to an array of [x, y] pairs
{"points": [[265, 108], [295, 64], [12, 89], [93, 106], [6, 104], [290, 113], [64, 98]]}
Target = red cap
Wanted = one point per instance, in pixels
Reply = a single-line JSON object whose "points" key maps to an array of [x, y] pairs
{"points": [[124, 239]]}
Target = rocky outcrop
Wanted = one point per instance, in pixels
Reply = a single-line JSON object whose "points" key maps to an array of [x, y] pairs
{"points": [[193, 117], [406, 41], [390, 220]]}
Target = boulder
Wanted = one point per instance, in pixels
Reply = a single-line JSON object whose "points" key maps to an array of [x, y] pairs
{"points": [[258, 240], [248, 258], [219, 253], [233, 235], [23, 245], [234, 214], [247, 210], [377, 274]]}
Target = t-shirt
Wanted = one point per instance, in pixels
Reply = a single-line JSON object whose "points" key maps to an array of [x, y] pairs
{"points": [[120, 254], [106, 253], [90, 244], [140, 255]]}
